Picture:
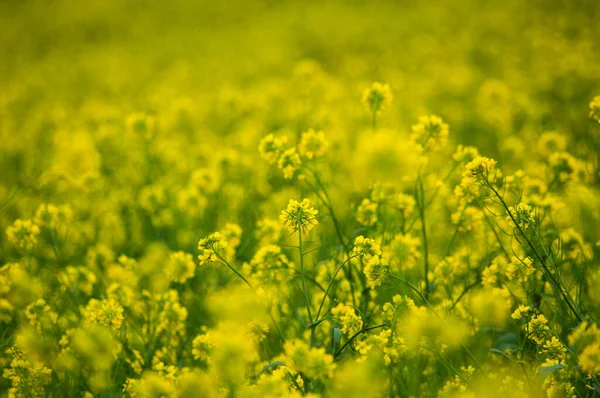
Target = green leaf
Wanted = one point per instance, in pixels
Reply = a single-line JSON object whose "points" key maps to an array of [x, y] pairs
{"points": [[269, 366], [337, 336], [507, 340], [548, 370], [293, 379], [497, 351], [315, 323]]}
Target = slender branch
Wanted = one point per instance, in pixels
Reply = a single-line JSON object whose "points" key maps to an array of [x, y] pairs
{"points": [[556, 283], [330, 284], [363, 330], [307, 301], [421, 205]]}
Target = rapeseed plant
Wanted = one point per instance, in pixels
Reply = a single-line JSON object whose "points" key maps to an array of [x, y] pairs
{"points": [[153, 243]]}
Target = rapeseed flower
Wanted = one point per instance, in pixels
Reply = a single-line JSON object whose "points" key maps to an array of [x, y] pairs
{"points": [[210, 247], [377, 98], [313, 144], [299, 216]]}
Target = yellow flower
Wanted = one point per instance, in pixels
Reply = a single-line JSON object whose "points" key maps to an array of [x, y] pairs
{"points": [[481, 169], [522, 310], [523, 216], [311, 362], [313, 144], [346, 315], [365, 247], [538, 328], [289, 162], [107, 312], [377, 98], [270, 148], [142, 124], [268, 230], [203, 345], [299, 215], [565, 166], [430, 133], [590, 358], [51, 216], [111, 314], [376, 271], [465, 153], [23, 234], [554, 349], [366, 214], [181, 267], [209, 247]]}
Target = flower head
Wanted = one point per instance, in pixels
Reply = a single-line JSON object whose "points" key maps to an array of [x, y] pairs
{"points": [[23, 234], [141, 123], [315, 363], [181, 266], [377, 97], [523, 216], [430, 133], [481, 169], [289, 162], [313, 144], [351, 323], [271, 147], [376, 271], [209, 247], [465, 154], [366, 214], [365, 247], [299, 215]]}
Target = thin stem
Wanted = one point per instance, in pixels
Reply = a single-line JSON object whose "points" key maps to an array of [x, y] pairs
{"points": [[304, 292], [489, 223], [556, 283], [437, 315], [374, 121], [233, 269], [331, 284], [250, 286], [326, 201], [421, 197], [356, 335]]}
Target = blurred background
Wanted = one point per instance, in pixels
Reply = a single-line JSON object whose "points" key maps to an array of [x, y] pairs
{"points": [[216, 77], [519, 60]]}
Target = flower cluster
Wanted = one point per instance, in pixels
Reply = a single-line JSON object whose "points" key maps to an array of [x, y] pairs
{"points": [[23, 234], [430, 133], [299, 216], [595, 108], [210, 247], [377, 98], [435, 271]]}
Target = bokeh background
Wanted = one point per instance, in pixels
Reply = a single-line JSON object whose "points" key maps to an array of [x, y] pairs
{"points": [[141, 121], [218, 76]]}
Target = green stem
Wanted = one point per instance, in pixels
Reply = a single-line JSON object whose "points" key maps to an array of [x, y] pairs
{"points": [[556, 282], [250, 286], [233, 269], [374, 121], [421, 196], [439, 317], [326, 201], [356, 335], [489, 223], [329, 286], [304, 292]]}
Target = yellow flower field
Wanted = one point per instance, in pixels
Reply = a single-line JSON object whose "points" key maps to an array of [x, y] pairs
{"points": [[300, 198]]}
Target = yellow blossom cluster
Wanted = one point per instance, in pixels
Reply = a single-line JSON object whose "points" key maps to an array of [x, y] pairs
{"points": [[299, 199]]}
